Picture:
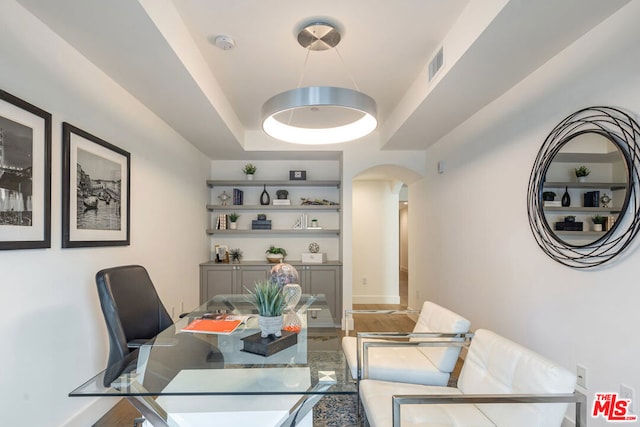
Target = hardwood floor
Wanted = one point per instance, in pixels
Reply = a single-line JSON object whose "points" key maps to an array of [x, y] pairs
{"points": [[123, 414]]}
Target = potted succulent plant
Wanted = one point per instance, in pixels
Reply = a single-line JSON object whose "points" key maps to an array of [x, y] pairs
{"points": [[582, 172], [270, 301], [233, 217], [598, 222], [275, 255], [235, 254], [249, 169]]}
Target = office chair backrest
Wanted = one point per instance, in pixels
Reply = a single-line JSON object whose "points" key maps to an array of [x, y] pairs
{"points": [[131, 306]]}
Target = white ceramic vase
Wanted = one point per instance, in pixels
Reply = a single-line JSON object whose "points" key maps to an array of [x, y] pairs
{"points": [[275, 258], [270, 326]]}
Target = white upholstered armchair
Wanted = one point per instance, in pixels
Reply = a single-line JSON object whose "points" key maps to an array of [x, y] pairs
{"points": [[415, 362], [501, 384]]}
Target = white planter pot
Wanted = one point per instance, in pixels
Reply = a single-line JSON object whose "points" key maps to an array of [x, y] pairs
{"points": [[597, 227], [275, 258], [270, 326], [233, 225], [249, 177]]}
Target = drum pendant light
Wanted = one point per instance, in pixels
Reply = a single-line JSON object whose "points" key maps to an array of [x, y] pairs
{"points": [[319, 114]]}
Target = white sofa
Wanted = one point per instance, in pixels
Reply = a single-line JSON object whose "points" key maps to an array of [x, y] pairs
{"points": [[411, 364], [495, 370]]}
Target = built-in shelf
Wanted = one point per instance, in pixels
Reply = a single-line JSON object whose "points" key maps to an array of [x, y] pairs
{"points": [[580, 209], [272, 183], [580, 233], [607, 185], [291, 232], [297, 208]]}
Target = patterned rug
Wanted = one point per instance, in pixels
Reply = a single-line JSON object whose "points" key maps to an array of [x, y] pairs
{"points": [[340, 410], [335, 411]]}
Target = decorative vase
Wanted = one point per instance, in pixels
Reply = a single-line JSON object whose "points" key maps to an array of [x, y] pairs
{"points": [[292, 293], [275, 258], [249, 177], [265, 199], [233, 225], [566, 199], [270, 326], [292, 323]]}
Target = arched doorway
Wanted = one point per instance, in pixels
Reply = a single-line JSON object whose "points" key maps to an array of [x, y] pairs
{"points": [[380, 199]]}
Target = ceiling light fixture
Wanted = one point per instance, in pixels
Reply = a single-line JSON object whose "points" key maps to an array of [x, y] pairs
{"points": [[319, 114]]}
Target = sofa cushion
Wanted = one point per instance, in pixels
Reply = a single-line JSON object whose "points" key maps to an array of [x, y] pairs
{"points": [[403, 364], [435, 318], [495, 364], [376, 399]]}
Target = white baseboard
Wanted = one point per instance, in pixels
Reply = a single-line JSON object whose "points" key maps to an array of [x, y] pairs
{"points": [[92, 412], [376, 299]]}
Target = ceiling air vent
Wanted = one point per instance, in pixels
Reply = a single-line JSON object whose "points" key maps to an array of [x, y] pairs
{"points": [[436, 64]]}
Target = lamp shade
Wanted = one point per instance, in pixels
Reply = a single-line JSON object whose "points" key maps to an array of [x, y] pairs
{"points": [[319, 115]]}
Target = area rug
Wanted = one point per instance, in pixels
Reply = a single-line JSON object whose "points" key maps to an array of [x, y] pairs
{"points": [[336, 410], [340, 410]]}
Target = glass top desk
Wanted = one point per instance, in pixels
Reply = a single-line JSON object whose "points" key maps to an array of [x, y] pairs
{"points": [[183, 378]]}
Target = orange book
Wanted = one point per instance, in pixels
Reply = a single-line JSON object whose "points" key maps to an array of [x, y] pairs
{"points": [[212, 326]]}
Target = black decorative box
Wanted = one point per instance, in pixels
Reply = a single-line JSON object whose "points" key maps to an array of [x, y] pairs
{"points": [[569, 226], [297, 175], [270, 345], [258, 224]]}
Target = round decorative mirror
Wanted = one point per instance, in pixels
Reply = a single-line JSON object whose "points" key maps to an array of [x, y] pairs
{"points": [[583, 198]]}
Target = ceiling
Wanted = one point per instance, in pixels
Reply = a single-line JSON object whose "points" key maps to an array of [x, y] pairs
{"points": [[161, 52]]}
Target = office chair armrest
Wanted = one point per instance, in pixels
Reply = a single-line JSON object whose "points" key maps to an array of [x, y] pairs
{"points": [[155, 342], [576, 397]]}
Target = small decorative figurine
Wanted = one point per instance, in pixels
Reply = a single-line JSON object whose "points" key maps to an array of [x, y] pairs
{"points": [[224, 198]]}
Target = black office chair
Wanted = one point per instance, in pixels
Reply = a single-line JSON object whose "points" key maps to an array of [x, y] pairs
{"points": [[134, 316]]}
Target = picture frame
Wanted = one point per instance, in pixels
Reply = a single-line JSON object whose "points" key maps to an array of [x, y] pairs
{"points": [[25, 174], [297, 175], [96, 184]]}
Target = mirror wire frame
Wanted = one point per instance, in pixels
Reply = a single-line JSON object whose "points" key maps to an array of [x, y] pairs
{"points": [[622, 130]]}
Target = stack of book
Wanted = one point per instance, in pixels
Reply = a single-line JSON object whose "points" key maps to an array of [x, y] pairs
{"points": [[222, 222], [261, 224], [591, 199], [611, 220], [552, 203], [238, 197], [281, 202]]}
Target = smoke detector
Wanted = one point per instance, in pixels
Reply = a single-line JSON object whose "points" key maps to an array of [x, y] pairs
{"points": [[224, 42]]}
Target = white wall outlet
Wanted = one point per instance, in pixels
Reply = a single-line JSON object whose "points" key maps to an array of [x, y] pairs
{"points": [[581, 373], [627, 393]]}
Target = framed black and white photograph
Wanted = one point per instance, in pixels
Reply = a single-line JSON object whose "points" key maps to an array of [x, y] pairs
{"points": [[25, 174], [95, 191]]}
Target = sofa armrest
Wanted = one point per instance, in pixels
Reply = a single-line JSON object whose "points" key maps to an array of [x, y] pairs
{"points": [[401, 339], [576, 397]]}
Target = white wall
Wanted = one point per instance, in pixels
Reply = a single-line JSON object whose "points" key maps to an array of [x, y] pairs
{"points": [[477, 254], [404, 238], [53, 334], [376, 243]]}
